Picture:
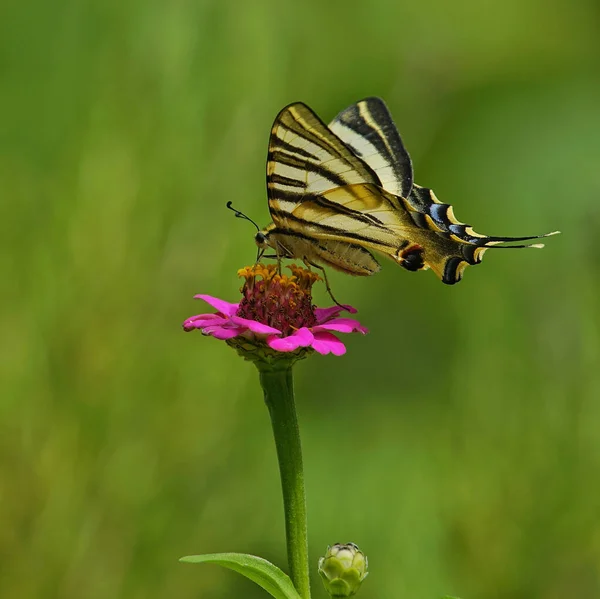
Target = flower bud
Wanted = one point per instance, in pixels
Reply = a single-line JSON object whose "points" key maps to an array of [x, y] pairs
{"points": [[343, 569]]}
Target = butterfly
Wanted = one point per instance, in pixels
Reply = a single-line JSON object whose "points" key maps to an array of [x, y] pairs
{"points": [[339, 192]]}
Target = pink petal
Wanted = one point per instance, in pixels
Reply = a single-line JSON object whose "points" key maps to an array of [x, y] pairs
{"points": [[204, 316], [223, 333], [219, 304], [201, 320], [255, 326], [305, 335], [342, 325], [325, 343], [300, 338], [326, 314]]}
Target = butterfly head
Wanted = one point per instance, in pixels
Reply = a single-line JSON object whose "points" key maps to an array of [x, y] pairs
{"points": [[262, 240]]}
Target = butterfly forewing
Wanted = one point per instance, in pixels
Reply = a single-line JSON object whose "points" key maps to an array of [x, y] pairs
{"points": [[306, 158]]}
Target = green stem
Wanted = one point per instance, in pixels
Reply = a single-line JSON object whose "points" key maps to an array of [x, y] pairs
{"points": [[278, 387]]}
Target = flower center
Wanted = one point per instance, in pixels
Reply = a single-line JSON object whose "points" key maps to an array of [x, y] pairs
{"points": [[280, 301]]}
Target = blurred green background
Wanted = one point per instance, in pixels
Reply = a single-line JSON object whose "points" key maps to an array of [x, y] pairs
{"points": [[458, 444]]}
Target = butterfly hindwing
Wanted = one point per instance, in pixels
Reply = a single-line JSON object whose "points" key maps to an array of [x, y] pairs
{"points": [[306, 158], [367, 127], [377, 224]]}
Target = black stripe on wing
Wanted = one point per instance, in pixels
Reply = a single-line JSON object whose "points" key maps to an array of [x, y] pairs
{"points": [[306, 227], [287, 181], [291, 149], [452, 274], [331, 208], [455, 265]]}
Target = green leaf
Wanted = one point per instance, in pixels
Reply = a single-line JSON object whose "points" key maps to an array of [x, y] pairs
{"points": [[266, 575]]}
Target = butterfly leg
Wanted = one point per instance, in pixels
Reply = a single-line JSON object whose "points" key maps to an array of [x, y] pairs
{"points": [[279, 254], [309, 264], [277, 257], [259, 254]]}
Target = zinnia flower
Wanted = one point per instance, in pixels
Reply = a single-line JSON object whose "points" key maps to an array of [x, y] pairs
{"points": [[276, 312]]}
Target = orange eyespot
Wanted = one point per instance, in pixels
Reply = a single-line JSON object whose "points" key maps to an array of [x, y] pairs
{"points": [[412, 257]]}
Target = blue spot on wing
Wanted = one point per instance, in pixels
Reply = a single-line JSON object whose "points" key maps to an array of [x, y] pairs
{"points": [[457, 229], [439, 212]]}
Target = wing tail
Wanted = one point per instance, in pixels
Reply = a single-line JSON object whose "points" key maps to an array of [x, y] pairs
{"points": [[429, 213]]}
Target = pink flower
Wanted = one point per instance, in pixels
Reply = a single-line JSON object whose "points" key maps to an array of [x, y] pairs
{"points": [[277, 310]]}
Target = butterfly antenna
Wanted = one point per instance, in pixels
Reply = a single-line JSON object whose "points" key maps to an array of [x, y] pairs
{"points": [[241, 215]]}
